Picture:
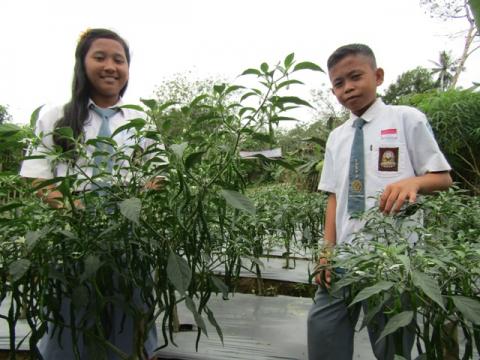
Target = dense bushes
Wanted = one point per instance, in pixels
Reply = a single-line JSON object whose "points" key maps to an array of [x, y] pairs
{"points": [[454, 116]]}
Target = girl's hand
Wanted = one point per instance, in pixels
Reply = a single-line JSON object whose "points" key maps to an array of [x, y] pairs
{"points": [[157, 183], [52, 197]]}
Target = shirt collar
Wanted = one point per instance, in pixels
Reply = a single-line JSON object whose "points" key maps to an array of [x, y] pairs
{"points": [[371, 112], [117, 105]]}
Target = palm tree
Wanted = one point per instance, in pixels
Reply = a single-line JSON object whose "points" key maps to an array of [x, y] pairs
{"points": [[446, 68]]}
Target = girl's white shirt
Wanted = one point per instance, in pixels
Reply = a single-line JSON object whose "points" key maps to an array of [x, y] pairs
{"points": [[47, 168]]}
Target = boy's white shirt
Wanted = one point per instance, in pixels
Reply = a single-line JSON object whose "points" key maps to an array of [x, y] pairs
{"points": [[401, 127], [43, 168]]}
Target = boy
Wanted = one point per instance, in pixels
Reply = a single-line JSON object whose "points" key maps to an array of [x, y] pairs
{"points": [[380, 148]]}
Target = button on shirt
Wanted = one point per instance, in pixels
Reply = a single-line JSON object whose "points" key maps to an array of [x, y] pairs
{"points": [[398, 143], [44, 169]]}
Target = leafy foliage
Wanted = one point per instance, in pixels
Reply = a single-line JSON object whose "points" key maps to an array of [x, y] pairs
{"points": [[435, 280], [161, 244], [454, 118]]}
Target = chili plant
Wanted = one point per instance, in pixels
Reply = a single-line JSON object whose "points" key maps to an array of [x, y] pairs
{"points": [[421, 275], [151, 233]]}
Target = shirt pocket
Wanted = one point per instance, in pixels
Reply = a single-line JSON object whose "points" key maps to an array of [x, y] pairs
{"points": [[388, 159]]}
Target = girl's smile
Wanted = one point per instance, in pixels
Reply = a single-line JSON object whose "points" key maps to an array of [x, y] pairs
{"points": [[106, 67]]}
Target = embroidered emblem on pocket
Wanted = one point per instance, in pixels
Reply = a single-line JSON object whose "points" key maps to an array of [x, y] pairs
{"points": [[388, 159]]}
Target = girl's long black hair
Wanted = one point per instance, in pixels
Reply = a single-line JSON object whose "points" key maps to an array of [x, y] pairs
{"points": [[75, 112]]}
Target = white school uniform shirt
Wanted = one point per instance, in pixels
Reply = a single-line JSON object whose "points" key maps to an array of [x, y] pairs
{"points": [[43, 168], [398, 144]]}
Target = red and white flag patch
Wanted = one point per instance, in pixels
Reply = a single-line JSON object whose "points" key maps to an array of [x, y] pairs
{"points": [[389, 134]]}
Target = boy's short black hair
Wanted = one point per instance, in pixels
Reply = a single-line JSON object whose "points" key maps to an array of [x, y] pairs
{"points": [[351, 49]]}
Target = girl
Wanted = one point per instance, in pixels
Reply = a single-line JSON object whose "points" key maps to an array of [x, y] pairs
{"points": [[101, 75]]}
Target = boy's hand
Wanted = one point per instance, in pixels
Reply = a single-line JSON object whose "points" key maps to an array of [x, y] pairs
{"points": [[324, 276], [395, 195]]}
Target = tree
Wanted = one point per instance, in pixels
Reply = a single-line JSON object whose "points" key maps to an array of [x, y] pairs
{"points": [[445, 68], [475, 7], [457, 9], [4, 115], [416, 81]]}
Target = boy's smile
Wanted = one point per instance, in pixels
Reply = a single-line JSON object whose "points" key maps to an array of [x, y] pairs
{"points": [[354, 82]]}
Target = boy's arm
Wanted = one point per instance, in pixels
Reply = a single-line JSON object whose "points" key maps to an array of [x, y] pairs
{"points": [[395, 194], [329, 238], [330, 234]]}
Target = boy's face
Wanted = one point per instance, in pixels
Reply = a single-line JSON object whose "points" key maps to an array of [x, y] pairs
{"points": [[354, 82]]}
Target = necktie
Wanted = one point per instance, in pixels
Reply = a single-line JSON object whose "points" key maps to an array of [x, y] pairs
{"points": [[105, 115], [356, 175]]}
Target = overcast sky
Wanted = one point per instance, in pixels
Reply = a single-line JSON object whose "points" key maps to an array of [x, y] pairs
{"points": [[218, 38]]}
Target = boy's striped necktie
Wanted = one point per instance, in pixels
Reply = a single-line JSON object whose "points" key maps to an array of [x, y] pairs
{"points": [[356, 175]]}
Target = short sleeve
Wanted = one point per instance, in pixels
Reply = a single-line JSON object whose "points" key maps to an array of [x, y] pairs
{"points": [[41, 168], [327, 179], [424, 151]]}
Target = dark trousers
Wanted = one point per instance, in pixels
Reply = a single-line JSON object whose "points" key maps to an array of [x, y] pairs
{"points": [[331, 327]]}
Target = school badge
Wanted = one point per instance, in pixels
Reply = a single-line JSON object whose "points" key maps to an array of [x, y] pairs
{"points": [[356, 185], [388, 159]]}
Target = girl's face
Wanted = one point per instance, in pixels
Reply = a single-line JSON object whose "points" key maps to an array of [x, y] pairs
{"points": [[106, 67]]}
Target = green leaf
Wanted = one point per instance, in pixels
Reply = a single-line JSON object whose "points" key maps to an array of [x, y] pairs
{"points": [[10, 206], [288, 60], [213, 321], [396, 322], [150, 103], [34, 117], [193, 159], [372, 290], [233, 88], [290, 99], [219, 88], [405, 260], [372, 311], [9, 130], [18, 268], [279, 162], [132, 107], [247, 95], [32, 237], [198, 318], [288, 83], [92, 264], [251, 72], [238, 201], [221, 286], [179, 149], [429, 286], [276, 119], [138, 124], [470, 308], [178, 272], [316, 140], [64, 132], [166, 105], [264, 67], [198, 99], [131, 208], [243, 110], [307, 65]]}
